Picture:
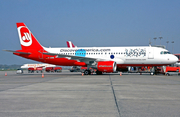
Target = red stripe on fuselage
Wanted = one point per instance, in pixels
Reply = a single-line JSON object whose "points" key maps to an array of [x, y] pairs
{"points": [[49, 59]]}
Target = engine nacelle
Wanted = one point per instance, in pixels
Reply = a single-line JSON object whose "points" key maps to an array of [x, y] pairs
{"points": [[106, 66]]}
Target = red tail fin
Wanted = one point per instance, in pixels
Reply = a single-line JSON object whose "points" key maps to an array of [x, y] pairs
{"points": [[70, 44], [27, 39]]}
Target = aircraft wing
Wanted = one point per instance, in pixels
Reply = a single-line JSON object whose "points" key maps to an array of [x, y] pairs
{"points": [[80, 58], [17, 52]]}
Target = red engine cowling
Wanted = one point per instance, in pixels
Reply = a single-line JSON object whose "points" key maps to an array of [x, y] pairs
{"points": [[106, 66]]}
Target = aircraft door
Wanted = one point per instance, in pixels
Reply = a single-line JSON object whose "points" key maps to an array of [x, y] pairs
{"points": [[151, 53]]}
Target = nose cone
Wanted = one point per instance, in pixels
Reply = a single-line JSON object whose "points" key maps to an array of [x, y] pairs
{"points": [[173, 59]]}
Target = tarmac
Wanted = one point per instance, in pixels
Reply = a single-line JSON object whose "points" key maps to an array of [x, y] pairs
{"points": [[73, 95]]}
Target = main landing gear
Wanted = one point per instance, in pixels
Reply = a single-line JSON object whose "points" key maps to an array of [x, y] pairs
{"points": [[87, 72]]}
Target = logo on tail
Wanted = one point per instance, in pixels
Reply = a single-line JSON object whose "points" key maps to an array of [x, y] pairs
{"points": [[24, 36]]}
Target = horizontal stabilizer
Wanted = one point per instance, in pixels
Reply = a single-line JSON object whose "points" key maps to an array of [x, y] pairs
{"points": [[17, 52]]}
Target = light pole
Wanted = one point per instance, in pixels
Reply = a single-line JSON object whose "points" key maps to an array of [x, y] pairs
{"points": [[155, 39], [172, 47], [160, 39], [167, 43]]}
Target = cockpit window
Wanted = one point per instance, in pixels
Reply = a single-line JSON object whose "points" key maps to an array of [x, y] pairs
{"points": [[165, 52]]}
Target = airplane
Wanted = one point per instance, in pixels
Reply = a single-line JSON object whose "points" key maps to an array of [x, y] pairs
{"points": [[103, 59], [26, 66], [70, 44]]}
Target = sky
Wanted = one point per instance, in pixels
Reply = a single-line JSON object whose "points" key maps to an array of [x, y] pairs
{"points": [[89, 23]]}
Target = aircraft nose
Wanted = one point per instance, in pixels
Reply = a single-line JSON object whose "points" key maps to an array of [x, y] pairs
{"points": [[174, 59]]}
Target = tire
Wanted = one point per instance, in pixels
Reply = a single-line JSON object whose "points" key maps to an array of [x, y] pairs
{"points": [[87, 72]]}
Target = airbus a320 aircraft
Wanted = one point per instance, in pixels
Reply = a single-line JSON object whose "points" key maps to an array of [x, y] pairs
{"points": [[103, 59]]}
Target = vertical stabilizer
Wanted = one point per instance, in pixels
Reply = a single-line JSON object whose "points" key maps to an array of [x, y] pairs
{"points": [[27, 39], [70, 44]]}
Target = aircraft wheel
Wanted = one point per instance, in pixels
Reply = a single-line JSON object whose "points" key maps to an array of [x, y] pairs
{"points": [[87, 72], [167, 74]]}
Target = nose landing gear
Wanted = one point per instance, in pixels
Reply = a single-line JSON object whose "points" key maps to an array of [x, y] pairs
{"points": [[154, 71]]}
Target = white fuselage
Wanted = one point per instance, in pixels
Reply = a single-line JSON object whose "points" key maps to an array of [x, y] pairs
{"points": [[121, 55], [26, 66]]}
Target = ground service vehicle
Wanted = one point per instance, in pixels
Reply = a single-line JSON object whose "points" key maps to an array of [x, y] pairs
{"points": [[75, 69], [170, 70], [19, 71], [53, 69]]}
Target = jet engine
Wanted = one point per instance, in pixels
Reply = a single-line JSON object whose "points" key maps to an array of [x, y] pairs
{"points": [[106, 66]]}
